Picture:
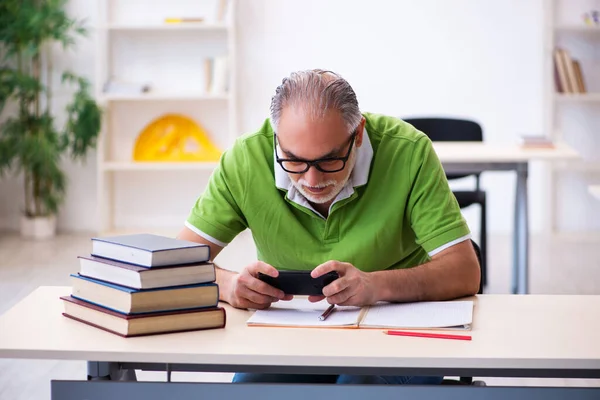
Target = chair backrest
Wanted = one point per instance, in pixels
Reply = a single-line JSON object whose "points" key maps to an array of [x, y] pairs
{"points": [[449, 130], [478, 253]]}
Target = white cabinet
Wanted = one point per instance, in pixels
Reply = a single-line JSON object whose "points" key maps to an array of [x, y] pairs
{"points": [[136, 46]]}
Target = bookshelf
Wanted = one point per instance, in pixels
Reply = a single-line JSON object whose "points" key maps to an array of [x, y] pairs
{"points": [[136, 46], [572, 112]]}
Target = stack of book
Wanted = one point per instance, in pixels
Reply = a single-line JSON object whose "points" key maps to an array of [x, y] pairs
{"points": [[537, 142], [144, 284]]}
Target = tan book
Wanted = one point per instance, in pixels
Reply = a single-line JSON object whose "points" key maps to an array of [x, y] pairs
{"points": [[562, 85], [579, 77], [571, 78], [143, 324]]}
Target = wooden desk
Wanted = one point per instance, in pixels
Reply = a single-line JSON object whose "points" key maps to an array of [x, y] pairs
{"points": [[474, 157], [521, 336]]}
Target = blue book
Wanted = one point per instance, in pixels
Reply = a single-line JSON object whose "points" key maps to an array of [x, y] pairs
{"points": [[126, 300], [150, 250]]}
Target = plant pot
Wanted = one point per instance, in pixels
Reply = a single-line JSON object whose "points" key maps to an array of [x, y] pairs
{"points": [[38, 227]]}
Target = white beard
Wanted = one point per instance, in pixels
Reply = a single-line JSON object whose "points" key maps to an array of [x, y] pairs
{"points": [[337, 185]]}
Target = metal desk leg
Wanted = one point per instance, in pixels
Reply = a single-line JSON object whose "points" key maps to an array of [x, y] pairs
{"points": [[521, 234], [105, 371]]}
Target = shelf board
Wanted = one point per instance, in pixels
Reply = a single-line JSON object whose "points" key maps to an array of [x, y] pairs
{"points": [[186, 26], [157, 166], [578, 28], [163, 96], [577, 97]]}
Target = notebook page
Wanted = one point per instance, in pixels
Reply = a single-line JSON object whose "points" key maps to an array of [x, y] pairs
{"points": [[302, 313], [424, 315]]}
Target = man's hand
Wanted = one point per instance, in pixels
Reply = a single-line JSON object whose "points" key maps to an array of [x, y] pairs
{"points": [[247, 291], [353, 288]]}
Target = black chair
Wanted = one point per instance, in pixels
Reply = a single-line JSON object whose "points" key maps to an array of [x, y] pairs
{"points": [[448, 129]]}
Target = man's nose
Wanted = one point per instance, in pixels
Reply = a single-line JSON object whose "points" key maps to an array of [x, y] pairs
{"points": [[313, 176]]}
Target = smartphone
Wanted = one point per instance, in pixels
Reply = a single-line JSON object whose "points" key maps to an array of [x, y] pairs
{"points": [[299, 282]]}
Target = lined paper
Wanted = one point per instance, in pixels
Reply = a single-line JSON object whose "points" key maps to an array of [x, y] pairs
{"points": [[432, 314]]}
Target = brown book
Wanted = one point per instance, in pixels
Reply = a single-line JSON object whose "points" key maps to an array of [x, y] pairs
{"points": [[143, 324], [137, 277], [579, 76]]}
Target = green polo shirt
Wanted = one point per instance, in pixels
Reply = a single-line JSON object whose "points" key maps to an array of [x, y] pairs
{"points": [[395, 211]]}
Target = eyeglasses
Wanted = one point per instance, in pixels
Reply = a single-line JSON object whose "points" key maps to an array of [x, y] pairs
{"points": [[327, 165]]}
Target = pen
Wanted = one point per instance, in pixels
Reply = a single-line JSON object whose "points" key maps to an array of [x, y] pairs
{"points": [[428, 335], [327, 313]]}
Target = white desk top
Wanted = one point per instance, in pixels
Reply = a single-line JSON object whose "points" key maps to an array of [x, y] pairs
{"points": [[595, 191], [467, 152], [510, 331]]}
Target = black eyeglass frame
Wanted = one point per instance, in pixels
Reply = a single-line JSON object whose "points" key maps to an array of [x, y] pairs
{"points": [[314, 163]]}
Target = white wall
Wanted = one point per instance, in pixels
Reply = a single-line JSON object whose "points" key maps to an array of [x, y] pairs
{"points": [[469, 58]]}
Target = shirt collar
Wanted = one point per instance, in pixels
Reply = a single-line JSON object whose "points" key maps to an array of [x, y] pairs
{"points": [[358, 177]]}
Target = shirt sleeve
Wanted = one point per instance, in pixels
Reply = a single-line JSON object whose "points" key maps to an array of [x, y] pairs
{"points": [[217, 214], [433, 211]]}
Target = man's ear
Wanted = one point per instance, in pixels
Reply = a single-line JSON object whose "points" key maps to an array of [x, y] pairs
{"points": [[359, 132]]}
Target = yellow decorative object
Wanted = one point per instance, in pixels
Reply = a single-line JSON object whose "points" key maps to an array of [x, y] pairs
{"points": [[174, 138]]}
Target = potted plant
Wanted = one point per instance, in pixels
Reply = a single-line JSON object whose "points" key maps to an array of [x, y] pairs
{"points": [[31, 142]]}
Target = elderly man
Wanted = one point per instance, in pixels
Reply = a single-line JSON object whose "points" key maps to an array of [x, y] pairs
{"points": [[324, 187]]}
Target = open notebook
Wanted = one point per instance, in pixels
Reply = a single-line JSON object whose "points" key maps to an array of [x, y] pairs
{"points": [[300, 312]]}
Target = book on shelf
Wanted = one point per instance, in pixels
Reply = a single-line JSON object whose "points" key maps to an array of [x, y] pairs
{"points": [[536, 141], [137, 277], [149, 250], [299, 312], [568, 74], [134, 301], [143, 324], [222, 9]]}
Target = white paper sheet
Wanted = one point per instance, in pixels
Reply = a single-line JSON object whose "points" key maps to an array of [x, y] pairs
{"points": [[442, 314]]}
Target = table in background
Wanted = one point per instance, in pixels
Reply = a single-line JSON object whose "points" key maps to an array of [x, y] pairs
{"points": [[475, 157]]}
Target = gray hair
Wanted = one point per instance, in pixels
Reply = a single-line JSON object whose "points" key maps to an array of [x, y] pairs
{"points": [[316, 91]]}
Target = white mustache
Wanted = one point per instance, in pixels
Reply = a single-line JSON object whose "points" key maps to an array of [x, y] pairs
{"points": [[319, 185]]}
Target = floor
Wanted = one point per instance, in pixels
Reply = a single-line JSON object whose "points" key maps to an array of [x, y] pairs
{"points": [[558, 266]]}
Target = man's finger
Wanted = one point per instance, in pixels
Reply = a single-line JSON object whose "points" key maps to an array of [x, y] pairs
{"points": [[261, 287], [315, 299], [326, 267], [350, 301], [265, 268], [341, 297], [336, 286], [255, 306], [255, 297]]}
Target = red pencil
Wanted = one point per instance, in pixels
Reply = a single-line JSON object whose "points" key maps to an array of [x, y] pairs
{"points": [[428, 335]]}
